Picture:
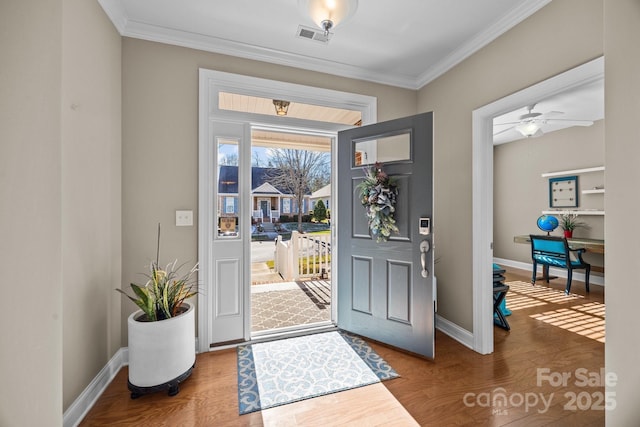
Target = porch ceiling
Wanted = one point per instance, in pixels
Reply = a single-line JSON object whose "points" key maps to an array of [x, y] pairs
{"points": [[270, 139]]}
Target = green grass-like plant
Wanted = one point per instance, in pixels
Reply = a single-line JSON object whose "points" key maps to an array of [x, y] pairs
{"points": [[165, 291], [570, 222]]}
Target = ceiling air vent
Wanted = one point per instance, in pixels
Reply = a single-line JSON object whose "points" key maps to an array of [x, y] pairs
{"points": [[314, 34]]}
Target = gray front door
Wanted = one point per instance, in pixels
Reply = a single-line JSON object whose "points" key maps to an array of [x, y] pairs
{"points": [[385, 289]]}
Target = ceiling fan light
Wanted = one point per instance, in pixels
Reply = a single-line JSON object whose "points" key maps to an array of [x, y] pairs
{"points": [[530, 129], [328, 14]]}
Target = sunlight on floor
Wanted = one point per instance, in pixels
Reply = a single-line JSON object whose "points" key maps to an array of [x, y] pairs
{"points": [[541, 292], [518, 302], [524, 295], [595, 308], [585, 319], [576, 319]]}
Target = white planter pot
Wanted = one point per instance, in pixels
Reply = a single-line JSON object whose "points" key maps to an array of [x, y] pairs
{"points": [[161, 354]]}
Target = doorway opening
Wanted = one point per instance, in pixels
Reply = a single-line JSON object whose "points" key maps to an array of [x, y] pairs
{"points": [[231, 108], [291, 240], [483, 216]]}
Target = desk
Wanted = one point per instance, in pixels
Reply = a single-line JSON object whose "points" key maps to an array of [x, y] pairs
{"points": [[589, 245]]}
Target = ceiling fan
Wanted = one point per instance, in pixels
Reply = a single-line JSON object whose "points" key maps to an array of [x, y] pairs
{"points": [[531, 123]]}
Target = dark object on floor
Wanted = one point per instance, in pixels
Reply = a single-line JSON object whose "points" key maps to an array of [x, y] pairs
{"points": [[553, 251], [172, 387], [499, 293]]}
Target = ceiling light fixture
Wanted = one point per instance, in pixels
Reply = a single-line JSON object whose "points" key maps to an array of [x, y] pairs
{"points": [[529, 129], [530, 125], [282, 107], [328, 14]]}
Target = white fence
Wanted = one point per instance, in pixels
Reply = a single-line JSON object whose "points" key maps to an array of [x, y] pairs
{"points": [[273, 215], [305, 255]]}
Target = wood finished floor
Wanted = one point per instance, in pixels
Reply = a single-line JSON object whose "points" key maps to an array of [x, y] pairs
{"points": [[549, 331]]}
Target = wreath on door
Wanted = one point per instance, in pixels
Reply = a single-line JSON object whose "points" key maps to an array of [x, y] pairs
{"points": [[378, 194]]}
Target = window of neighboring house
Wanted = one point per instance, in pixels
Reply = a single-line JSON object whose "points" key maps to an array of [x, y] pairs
{"points": [[230, 205], [227, 155]]}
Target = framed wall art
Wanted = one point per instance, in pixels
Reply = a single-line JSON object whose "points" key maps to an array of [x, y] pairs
{"points": [[563, 192]]}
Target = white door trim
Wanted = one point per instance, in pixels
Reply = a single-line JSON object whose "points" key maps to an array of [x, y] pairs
{"points": [[482, 224], [211, 83]]}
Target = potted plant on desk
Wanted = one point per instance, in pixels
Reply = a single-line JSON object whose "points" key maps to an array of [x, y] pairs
{"points": [[569, 222], [162, 333]]}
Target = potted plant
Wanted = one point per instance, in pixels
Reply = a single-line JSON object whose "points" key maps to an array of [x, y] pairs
{"points": [[569, 222], [162, 333]]}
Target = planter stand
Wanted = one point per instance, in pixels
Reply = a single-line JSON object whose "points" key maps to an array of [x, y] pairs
{"points": [[172, 386], [162, 354]]}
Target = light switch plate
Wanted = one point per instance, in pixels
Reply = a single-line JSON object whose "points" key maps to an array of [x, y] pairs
{"points": [[184, 218]]}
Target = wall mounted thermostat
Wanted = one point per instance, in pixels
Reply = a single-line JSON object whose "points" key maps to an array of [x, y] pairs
{"points": [[425, 225]]}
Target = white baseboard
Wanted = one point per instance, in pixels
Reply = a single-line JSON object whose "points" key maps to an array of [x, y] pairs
{"points": [[456, 332], [560, 272], [79, 408], [76, 412]]}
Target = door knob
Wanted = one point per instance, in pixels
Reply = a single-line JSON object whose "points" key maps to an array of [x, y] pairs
{"points": [[424, 249]]}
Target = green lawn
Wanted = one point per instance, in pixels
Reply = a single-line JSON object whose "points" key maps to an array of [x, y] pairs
{"points": [[288, 227]]}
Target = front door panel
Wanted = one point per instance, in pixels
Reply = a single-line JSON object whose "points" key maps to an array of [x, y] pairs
{"points": [[382, 293], [225, 269]]}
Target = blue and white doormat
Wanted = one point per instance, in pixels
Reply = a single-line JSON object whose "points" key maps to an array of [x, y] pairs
{"points": [[285, 371]]}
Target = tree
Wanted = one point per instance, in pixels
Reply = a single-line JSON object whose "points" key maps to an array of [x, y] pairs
{"points": [[229, 160], [256, 160], [321, 180], [295, 170], [320, 211]]}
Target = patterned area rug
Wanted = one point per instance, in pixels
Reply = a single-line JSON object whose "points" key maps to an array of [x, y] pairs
{"points": [[290, 304], [285, 371]]}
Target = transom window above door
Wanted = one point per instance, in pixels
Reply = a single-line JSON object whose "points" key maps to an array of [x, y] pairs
{"points": [[282, 107]]}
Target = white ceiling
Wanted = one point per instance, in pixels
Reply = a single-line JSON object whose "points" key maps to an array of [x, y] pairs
{"points": [[405, 43], [584, 102]]}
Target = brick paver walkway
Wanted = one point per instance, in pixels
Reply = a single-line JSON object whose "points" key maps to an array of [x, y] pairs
{"points": [[281, 305]]}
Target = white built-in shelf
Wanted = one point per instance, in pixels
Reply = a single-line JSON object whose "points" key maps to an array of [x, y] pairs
{"points": [[594, 191], [573, 172], [574, 211]]}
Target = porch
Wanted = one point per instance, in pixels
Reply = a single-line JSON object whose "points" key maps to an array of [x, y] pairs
{"points": [[266, 216], [297, 290], [288, 304]]}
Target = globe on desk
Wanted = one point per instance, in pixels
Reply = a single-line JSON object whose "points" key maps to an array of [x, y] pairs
{"points": [[547, 223]]}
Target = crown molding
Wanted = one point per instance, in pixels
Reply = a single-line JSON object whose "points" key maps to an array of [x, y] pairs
{"points": [[140, 30], [203, 42], [115, 11], [481, 40]]}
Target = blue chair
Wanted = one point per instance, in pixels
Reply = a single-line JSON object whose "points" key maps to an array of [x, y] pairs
{"points": [[553, 251]]}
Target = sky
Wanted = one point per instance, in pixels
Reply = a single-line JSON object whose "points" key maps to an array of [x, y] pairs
{"points": [[226, 150]]}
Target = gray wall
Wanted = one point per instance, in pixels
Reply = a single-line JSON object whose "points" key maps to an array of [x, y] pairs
{"points": [[60, 212], [30, 213], [622, 92], [571, 33], [91, 193], [160, 142], [520, 194], [38, 250]]}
